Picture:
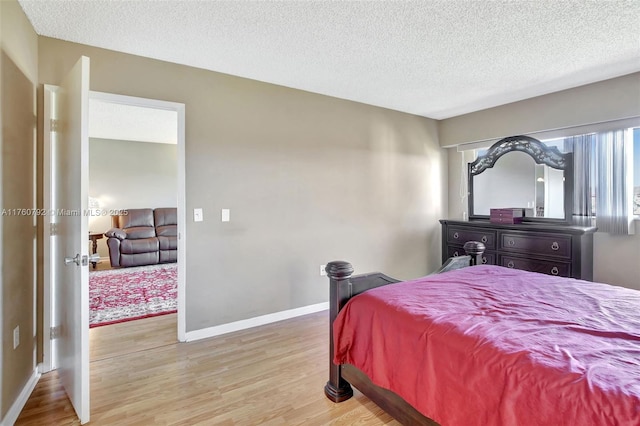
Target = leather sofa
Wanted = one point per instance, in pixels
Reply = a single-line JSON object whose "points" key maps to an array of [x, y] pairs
{"points": [[143, 237]]}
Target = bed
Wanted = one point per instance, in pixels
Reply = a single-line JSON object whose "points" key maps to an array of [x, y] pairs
{"points": [[512, 348]]}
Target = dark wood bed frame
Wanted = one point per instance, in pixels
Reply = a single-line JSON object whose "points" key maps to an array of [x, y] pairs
{"points": [[344, 286]]}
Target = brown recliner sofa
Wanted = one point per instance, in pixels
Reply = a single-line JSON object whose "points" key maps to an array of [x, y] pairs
{"points": [[143, 237]]}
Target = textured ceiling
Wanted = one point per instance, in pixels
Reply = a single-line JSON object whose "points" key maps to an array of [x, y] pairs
{"points": [[432, 58]]}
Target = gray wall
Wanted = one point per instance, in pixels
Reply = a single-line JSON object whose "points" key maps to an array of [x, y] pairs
{"points": [[18, 78], [615, 259], [308, 179], [606, 100], [130, 175]]}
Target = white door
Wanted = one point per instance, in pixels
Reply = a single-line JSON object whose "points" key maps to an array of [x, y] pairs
{"points": [[70, 193]]}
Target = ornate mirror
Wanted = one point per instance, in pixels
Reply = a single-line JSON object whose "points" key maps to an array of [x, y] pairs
{"points": [[521, 171]]}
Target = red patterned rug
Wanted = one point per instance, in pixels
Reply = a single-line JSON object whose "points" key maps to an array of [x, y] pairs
{"points": [[118, 295]]}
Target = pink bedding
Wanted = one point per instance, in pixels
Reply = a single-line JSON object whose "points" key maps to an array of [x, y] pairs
{"points": [[488, 345]]}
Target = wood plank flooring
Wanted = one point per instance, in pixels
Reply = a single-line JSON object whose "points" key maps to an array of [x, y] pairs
{"points": [[268, 375]]}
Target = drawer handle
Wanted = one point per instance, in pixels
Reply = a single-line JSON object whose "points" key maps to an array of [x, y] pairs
{"points": [[455, 235], [484, 239], [455, 253], [554, 270], [484, 260], [510, 264], [511, 242], [555, 246]]}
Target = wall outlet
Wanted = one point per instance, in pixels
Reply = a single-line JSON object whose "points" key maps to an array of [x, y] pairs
{"points": [[16, 337], [323, 273]]}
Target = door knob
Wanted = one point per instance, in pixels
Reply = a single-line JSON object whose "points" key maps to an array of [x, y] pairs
{"points": [[70, 260]]}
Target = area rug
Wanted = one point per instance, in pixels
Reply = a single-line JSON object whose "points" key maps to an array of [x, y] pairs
{"points": [[118, 295]]}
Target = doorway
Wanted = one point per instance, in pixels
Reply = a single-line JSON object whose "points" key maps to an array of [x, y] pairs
{"points": [[132, 172], [124, 103]]}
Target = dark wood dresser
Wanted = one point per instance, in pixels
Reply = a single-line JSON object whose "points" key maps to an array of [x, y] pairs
{"points": [[563, 250]]}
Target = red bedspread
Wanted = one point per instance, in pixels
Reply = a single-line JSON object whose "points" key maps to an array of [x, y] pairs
{"points": [[487, 345]]}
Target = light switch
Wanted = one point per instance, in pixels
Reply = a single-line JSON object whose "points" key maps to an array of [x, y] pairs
{"points": [[225, 215], [197, 215]]}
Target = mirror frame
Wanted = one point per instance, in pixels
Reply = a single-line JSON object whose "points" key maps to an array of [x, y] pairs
{"points": [[541, 154]]}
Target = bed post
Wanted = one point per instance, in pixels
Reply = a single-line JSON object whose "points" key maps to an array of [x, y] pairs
{"points": [[475, 250], [337, 389]]}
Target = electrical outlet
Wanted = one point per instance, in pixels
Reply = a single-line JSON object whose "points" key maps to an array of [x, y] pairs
{"points": [[16, 337], [322, 271]]}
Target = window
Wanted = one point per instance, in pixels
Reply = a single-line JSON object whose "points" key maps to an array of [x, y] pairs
{"points": [[635, 169], [607, 178]]}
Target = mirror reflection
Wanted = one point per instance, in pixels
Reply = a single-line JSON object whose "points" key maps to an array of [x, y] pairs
{"points": [[522, 172], [517, 181]]}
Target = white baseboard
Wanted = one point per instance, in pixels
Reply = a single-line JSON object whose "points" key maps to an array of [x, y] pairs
{"points": [[21, 401], [254, 322]]}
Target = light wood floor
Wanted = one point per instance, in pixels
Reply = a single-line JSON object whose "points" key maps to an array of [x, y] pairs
{"points": [[269, 375]]}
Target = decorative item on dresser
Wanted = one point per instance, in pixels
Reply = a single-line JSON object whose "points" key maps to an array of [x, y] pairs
{"points": [[512, 215], [549, 248]]}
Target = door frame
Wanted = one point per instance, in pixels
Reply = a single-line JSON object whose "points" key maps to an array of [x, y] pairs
{"points": [[49, 361], [49, 305]]}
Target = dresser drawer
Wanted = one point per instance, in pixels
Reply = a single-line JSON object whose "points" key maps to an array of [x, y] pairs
{"points": [[488, 258], [553, 245], [462, 235], [562, 249], [548, 267]]}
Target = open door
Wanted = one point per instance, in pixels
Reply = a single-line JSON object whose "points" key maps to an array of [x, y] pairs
{"points": [[70, 247]]}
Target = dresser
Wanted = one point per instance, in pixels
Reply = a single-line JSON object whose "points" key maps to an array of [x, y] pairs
{"points": [[562, 250]]}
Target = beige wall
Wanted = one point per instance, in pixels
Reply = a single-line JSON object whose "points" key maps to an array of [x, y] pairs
{"points": [[130, 175], [606, 100], [18, 78], [308, 179], [615, 257]]}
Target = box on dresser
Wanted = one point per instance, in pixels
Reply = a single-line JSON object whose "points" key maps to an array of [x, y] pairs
{"points": [[553, 249], [506, 215]]}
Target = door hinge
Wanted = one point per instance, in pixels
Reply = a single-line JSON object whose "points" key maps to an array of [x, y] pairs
{"points": [[53, 229], [54, 332], [54, 124]]}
